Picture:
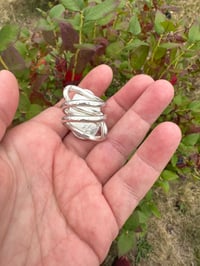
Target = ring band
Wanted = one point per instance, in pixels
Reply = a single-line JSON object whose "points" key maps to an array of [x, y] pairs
{"points": [[83, 114]]}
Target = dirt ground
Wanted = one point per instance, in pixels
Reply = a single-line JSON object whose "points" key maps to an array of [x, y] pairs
{"points": [[21, 11], [175, 237]]}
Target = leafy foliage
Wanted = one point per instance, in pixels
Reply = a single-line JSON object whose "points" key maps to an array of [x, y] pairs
{"points": [[132, 37]]}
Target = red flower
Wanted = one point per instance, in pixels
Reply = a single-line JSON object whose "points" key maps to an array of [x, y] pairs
{"points": [[122, 261], [61, 64], [66, 75], [71, 78], [145, 7], [173, 79]]}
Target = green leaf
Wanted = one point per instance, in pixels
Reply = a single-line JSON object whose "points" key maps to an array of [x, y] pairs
{"points": [[138, 57], [43, 24], [57, 11], [191, 140], [104, 20], [194, 33], [133, 221], [75, 21], [89, 46], [164, 184], [139, 218], [21, 48], [160, 52], [159, 19], [122, 4], [169, 175], [100, 10], [95, 1], [195, 106], [8, 35], [135, 44], [144, 214], [73, 5], [24, 103], [33, 110], [149, 196], [169, 45], [25, 33], [149, 3], [154, 210], [168, 26], [125, 243], [114, 49], [134, 25], [174, 160], [180, 100]]}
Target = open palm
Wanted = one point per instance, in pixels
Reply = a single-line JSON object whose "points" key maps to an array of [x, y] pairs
{"points": [[63, 200]]}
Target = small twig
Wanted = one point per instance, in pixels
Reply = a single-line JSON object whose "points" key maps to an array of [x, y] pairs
{"points": [[3, 63]]}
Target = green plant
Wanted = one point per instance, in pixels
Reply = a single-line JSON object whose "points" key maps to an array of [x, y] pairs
{"points": [[134, 231], [144, 248], [132, 37]]}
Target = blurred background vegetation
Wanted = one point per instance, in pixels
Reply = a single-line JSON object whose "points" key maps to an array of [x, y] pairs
{"points": [[52, 44]]}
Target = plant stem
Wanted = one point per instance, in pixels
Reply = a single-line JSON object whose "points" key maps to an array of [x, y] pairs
{"points": [[78, 50], [156, 48], [95, 31], [176, 61], [3, 63], [153, 53]]}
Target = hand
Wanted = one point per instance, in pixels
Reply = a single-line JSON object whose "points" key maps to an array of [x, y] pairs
{"points": [[63, 200]]}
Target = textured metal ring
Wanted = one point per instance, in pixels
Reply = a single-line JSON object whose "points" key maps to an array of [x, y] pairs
{"points": [[83, 114]]}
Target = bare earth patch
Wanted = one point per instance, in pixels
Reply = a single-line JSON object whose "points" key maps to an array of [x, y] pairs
{"points": [[18, 11], [175, 237]]}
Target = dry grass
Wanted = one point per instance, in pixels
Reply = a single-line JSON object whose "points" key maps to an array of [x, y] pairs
{"points": [[20, 11], [175, 237]]}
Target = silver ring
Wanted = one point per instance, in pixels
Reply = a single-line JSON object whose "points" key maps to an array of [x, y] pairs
{"points": [[83, 114]]}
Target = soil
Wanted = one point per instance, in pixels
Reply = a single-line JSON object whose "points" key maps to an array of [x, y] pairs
{"points": [[18, 12], [175, 237]]}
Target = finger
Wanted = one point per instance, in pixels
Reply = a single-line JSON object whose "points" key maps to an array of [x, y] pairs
{"points": [[129, 185], [115, 108], [129, 132], [96, 80], [9, 96]]}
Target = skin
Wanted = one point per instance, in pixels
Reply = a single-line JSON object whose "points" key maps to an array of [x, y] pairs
{"points": [[63, 200]]}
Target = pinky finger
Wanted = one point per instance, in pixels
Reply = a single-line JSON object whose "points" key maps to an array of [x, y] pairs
{"points": [[130, 184]]}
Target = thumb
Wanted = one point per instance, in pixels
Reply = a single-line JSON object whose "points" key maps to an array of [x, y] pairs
{"points": [[9, 95]]}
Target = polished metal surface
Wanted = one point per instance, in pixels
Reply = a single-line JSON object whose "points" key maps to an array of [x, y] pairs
{"points": [[83, 113]]}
